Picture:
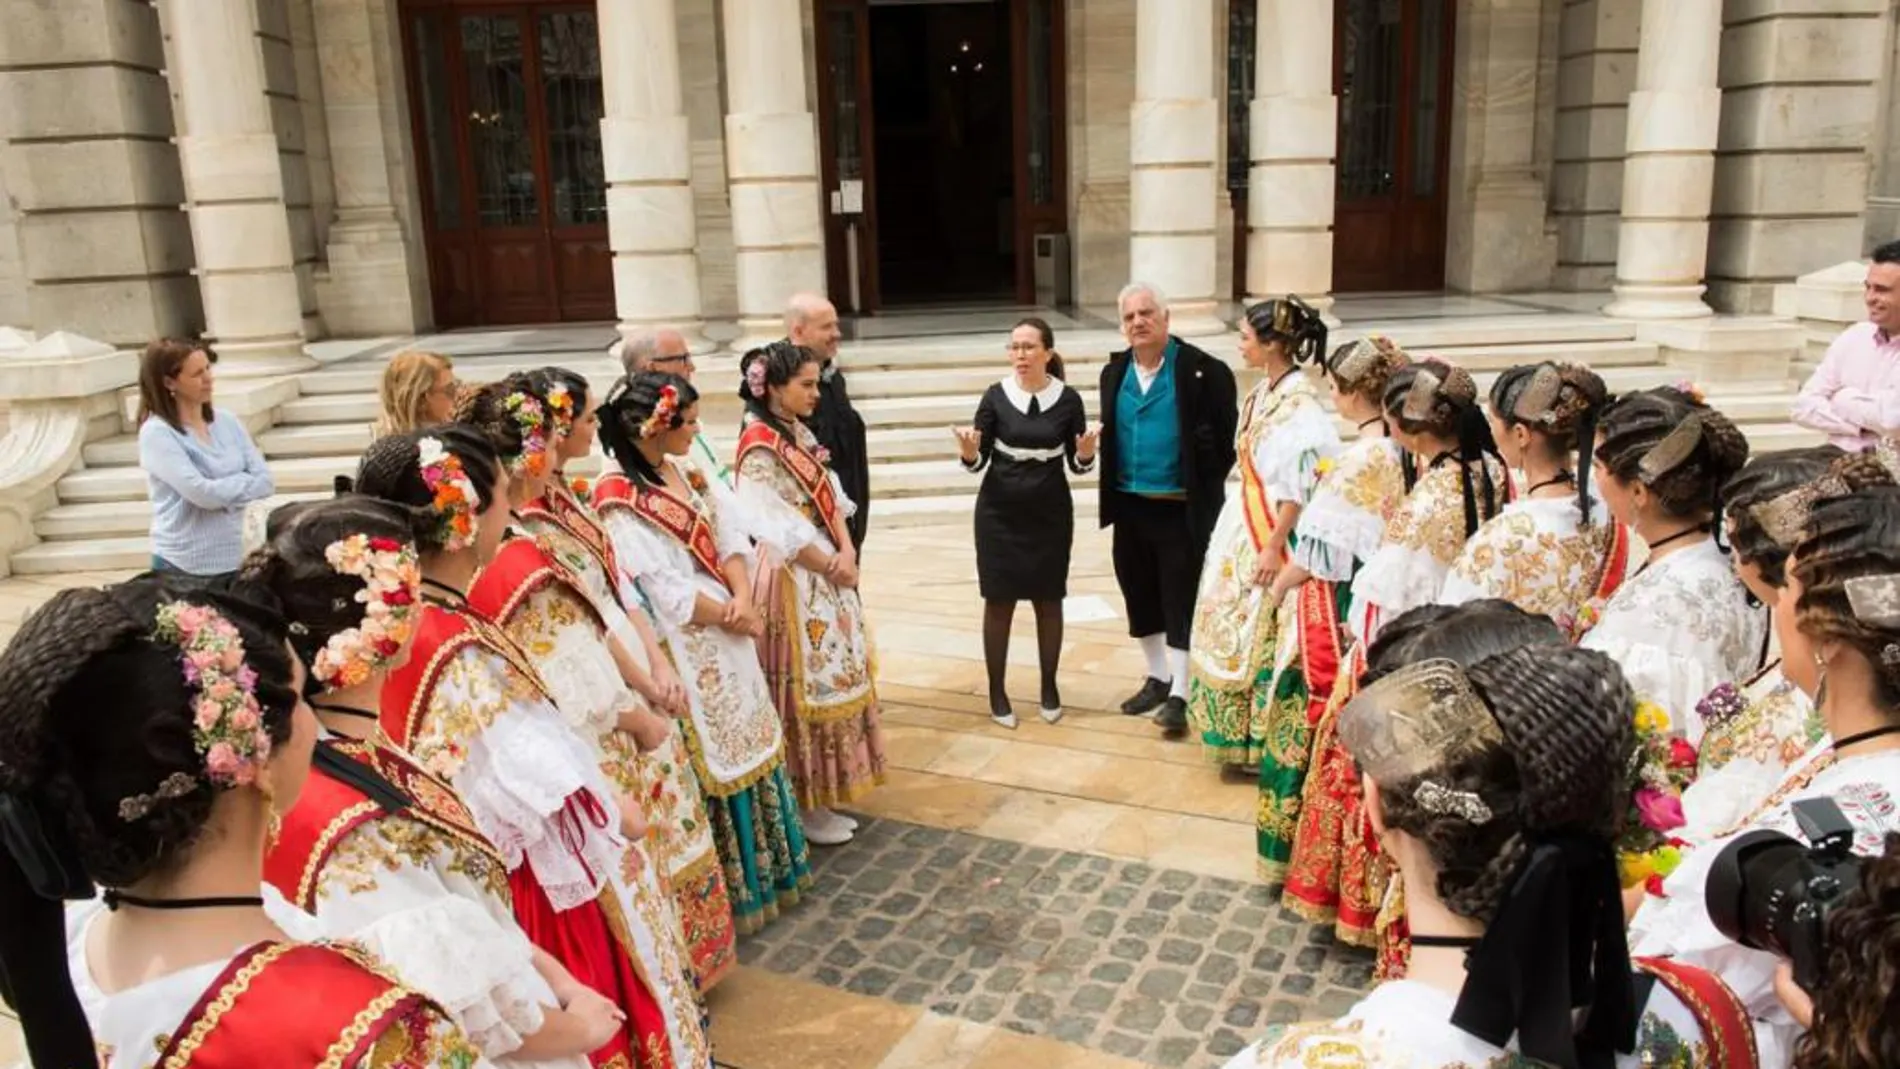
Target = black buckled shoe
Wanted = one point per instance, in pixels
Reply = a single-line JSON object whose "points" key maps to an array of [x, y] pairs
{"points": [[1146, 700], [1173, 718]]}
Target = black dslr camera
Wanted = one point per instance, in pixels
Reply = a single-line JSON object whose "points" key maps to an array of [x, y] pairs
{"points": [[1771, 892]]}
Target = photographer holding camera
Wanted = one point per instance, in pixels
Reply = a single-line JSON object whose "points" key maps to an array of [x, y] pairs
{"points": [[1854, 1024], [1736, 902]]}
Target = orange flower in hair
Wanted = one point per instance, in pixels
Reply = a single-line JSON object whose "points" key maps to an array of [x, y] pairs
{"points": [[665, 411]]}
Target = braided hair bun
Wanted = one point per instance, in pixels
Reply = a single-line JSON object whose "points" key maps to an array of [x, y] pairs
{"points": [[1763, 479], [1688, 486], [625, 411], [1852, 544], [1294, 324]]}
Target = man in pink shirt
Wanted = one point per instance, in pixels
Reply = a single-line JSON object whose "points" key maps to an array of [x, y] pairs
{"points": [[1854, 397]]}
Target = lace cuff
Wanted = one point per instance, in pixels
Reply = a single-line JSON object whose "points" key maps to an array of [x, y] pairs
{"points": [[482, 973]]}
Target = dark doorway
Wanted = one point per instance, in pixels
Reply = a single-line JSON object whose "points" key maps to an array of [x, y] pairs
{"points": [[941, 76]]}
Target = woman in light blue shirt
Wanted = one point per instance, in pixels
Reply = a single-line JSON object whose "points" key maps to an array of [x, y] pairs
{"points": [[200, 464]]}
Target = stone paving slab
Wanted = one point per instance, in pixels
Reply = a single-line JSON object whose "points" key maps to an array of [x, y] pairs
{"points": [[1158, 965]]}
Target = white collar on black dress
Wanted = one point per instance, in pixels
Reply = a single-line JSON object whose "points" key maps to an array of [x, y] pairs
{"points": [[1020, 397]]}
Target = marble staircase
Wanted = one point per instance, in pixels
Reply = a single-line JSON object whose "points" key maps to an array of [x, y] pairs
{"points": [[911, 392]]}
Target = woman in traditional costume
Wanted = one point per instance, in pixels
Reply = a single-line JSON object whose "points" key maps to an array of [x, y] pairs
{"points": [[1284, 436], [1755, 728], [679, 834], [1302, 834], [382, 853], [1838, 623], [1682, 623], [1461, 483], [470, 706], [152, 731], [817, 647], [1554, 550], [694, 564], [1492, 785]]}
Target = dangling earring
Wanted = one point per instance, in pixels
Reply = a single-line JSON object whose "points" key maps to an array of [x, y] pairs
{"points": [[1820, 684], [274, 823]]}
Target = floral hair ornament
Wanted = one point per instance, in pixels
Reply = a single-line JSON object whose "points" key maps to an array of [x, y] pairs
{"points": [[455, 497], [227, 722], [1425, 716], [1784, 518], [561, 403], [1672, 452], [531, 419], [1690, 389], [391, 578], [755, 377], [665, 410]]}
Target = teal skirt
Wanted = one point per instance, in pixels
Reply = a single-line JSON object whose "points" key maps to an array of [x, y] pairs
{"points": [[762, 848]]}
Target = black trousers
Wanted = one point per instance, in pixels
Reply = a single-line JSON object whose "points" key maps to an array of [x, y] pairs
{"points": [[1158, 567]]}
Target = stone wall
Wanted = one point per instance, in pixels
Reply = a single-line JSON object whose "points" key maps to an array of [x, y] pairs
{"points": [[281, 86], [1596, 73], [93, 172], [1101, 91], [701, 77], [1798, 112], [13, 302]]}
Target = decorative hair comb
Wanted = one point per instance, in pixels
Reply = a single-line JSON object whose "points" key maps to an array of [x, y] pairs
{"points": [[1784, 519], [227, 721], [1423, 396], [1875, 600], [1423, 717], [1672, 452], [1537, 402]]}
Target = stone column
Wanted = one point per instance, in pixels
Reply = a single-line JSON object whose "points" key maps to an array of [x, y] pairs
{"points": [[648, 158], [1497, 239], [371, 258], [771, 164], [1294, 138], [1662, 246], [234, 187], [1174, 144]]}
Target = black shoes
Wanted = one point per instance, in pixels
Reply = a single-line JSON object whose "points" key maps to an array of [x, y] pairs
{"points": [[1146, 700], [1173, 718]]}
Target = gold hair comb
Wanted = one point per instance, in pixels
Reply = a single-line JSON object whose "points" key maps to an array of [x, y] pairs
{"points": [[1422, 717], [1359, 360], [1672, 452], [1538, 401], [1784, 519], [1423, 396]]}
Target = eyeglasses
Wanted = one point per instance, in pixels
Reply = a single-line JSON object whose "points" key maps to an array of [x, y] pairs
{"points": [[684, 358]]}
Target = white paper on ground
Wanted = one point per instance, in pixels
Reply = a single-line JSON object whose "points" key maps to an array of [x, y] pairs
{"points": [[1088, 609]]}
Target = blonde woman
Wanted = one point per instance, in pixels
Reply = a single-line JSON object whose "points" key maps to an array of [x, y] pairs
{"points": [[418, 391]]}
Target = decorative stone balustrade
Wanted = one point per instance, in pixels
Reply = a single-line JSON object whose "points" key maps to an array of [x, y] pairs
{"points": [[60, 391]]}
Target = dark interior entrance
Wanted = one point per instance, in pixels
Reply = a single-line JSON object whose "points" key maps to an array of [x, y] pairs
{"points": [[940, 74], [940, 125], [1392, 71]]}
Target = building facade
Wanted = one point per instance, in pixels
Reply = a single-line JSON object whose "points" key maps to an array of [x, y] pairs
{"points": [[271, 172]]}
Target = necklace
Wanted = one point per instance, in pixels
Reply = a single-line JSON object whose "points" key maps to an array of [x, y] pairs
{"points": [[1284, 375], [115, 899], [1700, 528], [346, 710], [1449, 454], [1367, 423], [445, 588], [1561, 477], [1866, 736], [1456, 942]]}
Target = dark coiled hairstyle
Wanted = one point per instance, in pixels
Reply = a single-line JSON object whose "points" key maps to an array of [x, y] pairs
{"points": [[628, 406], [1764, 478], [1566, 424], [1567, 719], [1048, 337], [1857, 1013], [781, 361], [485, 408], [292, 566], [1293, 323], [1454, 414], [1853, 536], [391, 470], [1691, 489], [95, 710]]}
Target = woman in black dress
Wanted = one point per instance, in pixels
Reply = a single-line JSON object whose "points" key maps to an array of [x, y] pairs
{"points": [[1028, 428]]}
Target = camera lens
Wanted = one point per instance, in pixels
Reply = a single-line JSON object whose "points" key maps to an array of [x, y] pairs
{"points": [[1747, 881]]}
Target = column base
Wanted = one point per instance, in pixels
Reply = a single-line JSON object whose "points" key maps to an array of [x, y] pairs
{"points": [[1732, 350], [1196, 319], [1657, 302], [255, 360], [365, 290]]}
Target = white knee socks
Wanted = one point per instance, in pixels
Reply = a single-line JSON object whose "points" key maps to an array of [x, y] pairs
{"points": [[1155, 648], [1177, 664]]}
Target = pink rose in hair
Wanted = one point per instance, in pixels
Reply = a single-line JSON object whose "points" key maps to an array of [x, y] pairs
{"points": [[203, 660], [192, 617], [222, 690], [1660, 810], [222, 762], [244, 719], [207, 714], [233, 657]]}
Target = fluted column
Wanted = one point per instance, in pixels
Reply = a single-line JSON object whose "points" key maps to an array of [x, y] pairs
{"points": [[1662, 246], [1293, 138], [771, 163], [234, 187], [648, 157], [1173, 148]]}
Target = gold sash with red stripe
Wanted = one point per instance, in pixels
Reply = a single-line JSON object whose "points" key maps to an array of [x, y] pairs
{"points": [[807, 471], [292, 1006], [1256, 508], [521, 569], [565, 511], [443, 633], [1727, 1029], [328, 810], [1320, 643], [667, 514]]}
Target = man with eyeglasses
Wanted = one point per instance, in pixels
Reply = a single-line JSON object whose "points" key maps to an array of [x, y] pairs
{"points": [[665, 350]]}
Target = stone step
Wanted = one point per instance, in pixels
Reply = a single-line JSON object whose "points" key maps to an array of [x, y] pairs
{"points": [[117, 451], [91, 555], [128, 518], [366, 376]]}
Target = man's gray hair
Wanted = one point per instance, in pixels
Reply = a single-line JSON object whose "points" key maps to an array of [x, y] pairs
{"points": [[1134, 289], [636, 351], [801, 308]]}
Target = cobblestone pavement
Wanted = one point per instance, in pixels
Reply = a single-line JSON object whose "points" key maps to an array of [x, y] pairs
{"points": [[1168, 967]]}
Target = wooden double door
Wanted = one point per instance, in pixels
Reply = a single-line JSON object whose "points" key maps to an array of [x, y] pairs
{"points": [[506, 101]]}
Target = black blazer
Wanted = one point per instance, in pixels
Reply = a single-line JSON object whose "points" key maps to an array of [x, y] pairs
{"points": [[1207, 401], [840, 429]]}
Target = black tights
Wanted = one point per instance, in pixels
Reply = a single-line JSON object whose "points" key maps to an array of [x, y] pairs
{"points": [[997, 618]]}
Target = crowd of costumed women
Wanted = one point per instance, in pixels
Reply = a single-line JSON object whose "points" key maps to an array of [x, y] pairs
{"points": [[469, 764], [1512, 665]]}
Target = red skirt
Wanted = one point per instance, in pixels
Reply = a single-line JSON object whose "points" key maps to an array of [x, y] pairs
{"points": [[589, 941], [1336, 873]]}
